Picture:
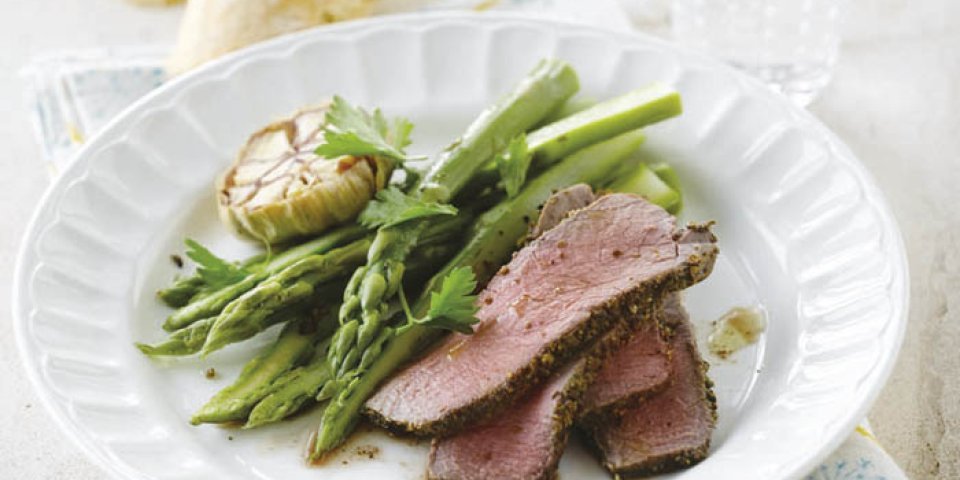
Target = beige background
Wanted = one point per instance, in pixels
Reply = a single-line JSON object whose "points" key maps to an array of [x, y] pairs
{"points": [[895, 100]]}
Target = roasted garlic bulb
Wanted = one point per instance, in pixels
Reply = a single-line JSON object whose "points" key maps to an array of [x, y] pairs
{"points": [[279, 189]]}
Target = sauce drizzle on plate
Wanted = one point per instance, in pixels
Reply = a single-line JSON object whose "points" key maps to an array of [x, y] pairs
{"points": [[736, 329]]}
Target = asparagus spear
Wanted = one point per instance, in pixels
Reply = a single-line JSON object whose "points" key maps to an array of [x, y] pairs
{"points": [[644, 182], [186, 341], [303, 385], [570, 107], [607, 119], [189, 288], [213, 303], [670, 177], [667, 174], [290, 392], [249, 314], [190, 339], [373, 286], [545, 89], [181, 292], [492, 240], [233, 403], [582, 124]]}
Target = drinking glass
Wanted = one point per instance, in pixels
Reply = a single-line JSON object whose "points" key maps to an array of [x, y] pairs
{"points": [[792, 45]]}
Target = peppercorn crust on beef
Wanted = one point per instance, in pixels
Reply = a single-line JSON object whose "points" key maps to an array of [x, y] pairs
{"points": [[600, 266]]}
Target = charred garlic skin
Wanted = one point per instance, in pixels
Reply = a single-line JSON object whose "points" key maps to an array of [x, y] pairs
{"points": [[278, 189]]}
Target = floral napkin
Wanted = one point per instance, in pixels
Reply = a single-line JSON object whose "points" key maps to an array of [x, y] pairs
{"points": [[72, 95]]}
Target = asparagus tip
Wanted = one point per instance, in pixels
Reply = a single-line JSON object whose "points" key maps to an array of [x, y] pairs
{"points": [[254, 421], [206, 415], [148, 350], [211, 345]]}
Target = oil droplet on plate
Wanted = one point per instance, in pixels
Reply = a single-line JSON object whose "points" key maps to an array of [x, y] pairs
{"points": [[736, 329]]}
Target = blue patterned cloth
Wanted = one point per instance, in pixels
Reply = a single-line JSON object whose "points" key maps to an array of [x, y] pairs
{"points": [[860, 457], [73, 94]]}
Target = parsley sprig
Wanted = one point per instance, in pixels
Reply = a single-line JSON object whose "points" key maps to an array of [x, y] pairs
{"points": [[452, 308], [354, 131], [213, 270], [393, 207]]}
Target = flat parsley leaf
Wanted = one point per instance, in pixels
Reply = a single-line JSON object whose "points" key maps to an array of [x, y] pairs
{"points": [[393, 207], [354, 131], [213, 271], [513, 164], [453, 307]]}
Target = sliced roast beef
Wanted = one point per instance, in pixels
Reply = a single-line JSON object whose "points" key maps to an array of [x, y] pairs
{"points": [[634, 372], [561, 204], [671, 429], [601, 265], [523, 442], [526, 439]]}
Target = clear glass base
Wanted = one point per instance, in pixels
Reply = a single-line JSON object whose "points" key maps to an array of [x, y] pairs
{"points": [[801, 83], [791, 45]]}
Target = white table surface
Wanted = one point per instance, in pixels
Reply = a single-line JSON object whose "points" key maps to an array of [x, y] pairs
{"points": [[895, 100]]}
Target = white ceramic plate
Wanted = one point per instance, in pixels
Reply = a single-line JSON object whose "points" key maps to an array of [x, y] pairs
{"points": [[802, 228]]}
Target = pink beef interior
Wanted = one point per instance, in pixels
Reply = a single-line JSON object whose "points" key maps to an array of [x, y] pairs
{"points": [[638, 369], [670, 429], [524, 441], [548, 290]]}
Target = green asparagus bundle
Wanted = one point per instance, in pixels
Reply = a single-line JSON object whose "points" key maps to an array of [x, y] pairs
{"points": [[191, 339], [212, 303], [272, 386], [576, 124], [250, 313], [264, 297], [292, 390], [296, 342], [402, 219], [301, 385], [266, 305]]}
